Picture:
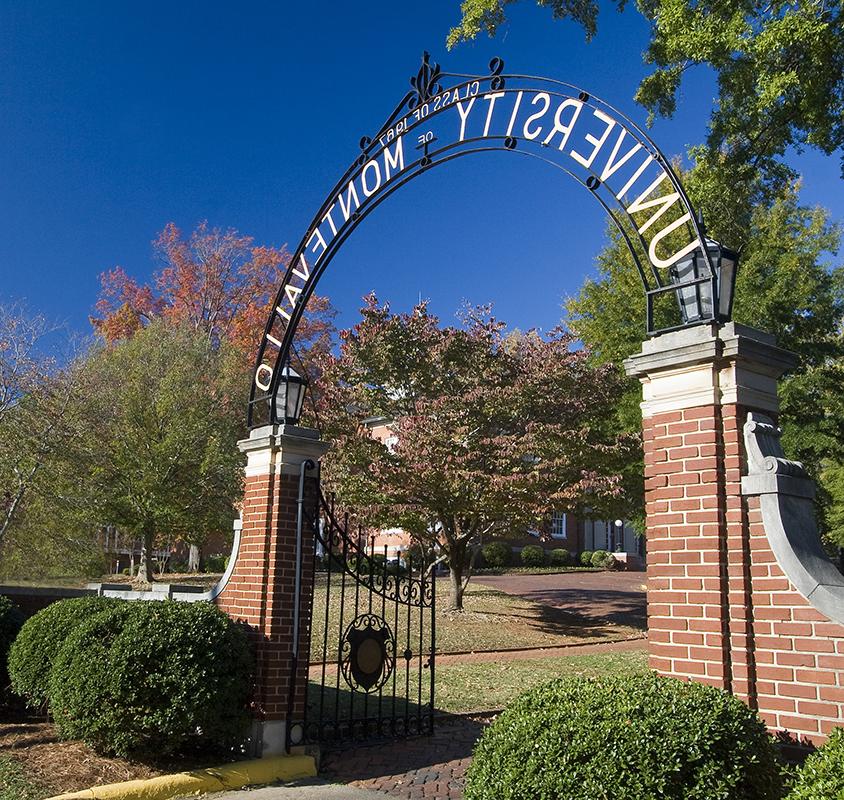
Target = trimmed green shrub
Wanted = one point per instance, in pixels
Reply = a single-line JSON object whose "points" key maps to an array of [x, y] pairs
{"points": [[42, 636], [496, 554], [599, 558], [586, 558], [611, 562], [216, 563], [533, 555], [559, 557], [154, 678], [822, 774], [625, 738], [11, 621]]}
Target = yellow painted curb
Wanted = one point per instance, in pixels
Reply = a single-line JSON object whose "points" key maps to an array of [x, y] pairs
{"points": [[230, 776]]}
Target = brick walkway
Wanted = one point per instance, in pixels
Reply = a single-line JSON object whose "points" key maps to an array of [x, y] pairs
{"points": [[426, 767]]}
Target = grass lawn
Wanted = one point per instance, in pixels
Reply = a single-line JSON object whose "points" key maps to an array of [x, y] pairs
{"points": [[461, 687], [473, 687], [492, 620]]}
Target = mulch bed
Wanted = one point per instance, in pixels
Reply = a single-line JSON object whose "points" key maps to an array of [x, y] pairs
{"points": [[58, 766]]}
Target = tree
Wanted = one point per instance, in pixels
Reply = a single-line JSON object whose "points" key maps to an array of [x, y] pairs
{"points": [[155, 441], [34, 396], [780, 69], [783, 287], [216, 282], [492, 432]]}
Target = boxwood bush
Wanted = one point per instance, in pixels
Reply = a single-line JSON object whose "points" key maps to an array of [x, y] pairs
{"points": [[11, 621], [496, 554], [600, 558], [533, 555], [586, 558], [559, 557], [148, 679], [42, 636], [822, 774], [625, 738]]}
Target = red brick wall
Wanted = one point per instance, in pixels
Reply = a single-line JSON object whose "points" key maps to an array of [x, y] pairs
{"points": [[720, 610], [685, 501], [260, 592], [799, 653]]}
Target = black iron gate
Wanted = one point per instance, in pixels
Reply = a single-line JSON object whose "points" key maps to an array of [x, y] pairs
{"points": [[371, 673]]}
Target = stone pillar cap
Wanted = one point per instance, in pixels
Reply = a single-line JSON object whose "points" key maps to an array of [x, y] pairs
{"points": [[710, 343]]}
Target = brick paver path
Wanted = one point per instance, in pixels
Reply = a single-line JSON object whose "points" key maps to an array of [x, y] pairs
{"points": [[423, 768]]}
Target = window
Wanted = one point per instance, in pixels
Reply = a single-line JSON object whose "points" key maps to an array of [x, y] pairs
{"points": [[558, 525]]}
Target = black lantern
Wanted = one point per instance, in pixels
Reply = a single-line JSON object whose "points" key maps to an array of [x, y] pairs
{"points": [[697, 286], [290, 397]]}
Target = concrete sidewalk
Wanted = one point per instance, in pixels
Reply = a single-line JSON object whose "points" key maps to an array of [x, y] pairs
{"points": [[313, 789]]}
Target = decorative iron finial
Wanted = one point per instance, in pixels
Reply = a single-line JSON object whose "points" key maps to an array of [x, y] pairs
{"points": [[496, 67], [424, 84]]}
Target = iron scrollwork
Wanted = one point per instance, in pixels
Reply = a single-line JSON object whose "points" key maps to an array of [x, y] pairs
{"points": [[368, 653]]}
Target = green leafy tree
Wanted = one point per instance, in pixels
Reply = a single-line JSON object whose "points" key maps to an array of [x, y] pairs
{"points": [[784, 286], [491, 431], [36, 398], [780, 69], [156, 430]]}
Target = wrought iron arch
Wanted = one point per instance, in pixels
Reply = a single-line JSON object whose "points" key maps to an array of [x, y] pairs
{"points": [[448, 115]]}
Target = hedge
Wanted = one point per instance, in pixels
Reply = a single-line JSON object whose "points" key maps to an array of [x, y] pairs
{"points": [[600, 558], [586, 558], [822, 774], [533, 555], [496, 555], [559, 557], [625, 738], [40, 640], [154, 678]]}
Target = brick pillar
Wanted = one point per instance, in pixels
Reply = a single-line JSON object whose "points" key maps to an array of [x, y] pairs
{"points": [[260, 590], [698, 385]]}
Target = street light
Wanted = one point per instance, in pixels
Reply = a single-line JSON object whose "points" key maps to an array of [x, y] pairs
{"points": [[696, 284], [619, 535], [289, 397]]}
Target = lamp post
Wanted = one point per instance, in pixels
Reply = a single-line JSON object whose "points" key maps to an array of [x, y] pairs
{"points": [[619, 535], [289, 397], [701, 295]]}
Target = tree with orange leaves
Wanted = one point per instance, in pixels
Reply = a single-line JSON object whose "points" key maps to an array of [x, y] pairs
{"points": [[217, 282]]}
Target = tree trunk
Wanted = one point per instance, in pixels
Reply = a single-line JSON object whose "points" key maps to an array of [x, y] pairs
{"points": [[194, 556], [456, 589], [145, 570]]}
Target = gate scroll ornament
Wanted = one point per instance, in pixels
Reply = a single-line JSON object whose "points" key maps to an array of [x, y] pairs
{"points": [[448, 115], [367, 654]]}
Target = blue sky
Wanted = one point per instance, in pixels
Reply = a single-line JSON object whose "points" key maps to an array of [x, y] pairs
{"points": [[119, 118]]}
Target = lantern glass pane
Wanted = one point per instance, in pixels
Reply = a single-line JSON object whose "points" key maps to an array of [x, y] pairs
{"points": [[289, 397], [726, 285], [687, 296]]}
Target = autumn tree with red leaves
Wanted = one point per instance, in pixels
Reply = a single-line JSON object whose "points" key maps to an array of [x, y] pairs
{"points": [[493, 430], [217, 282]]}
